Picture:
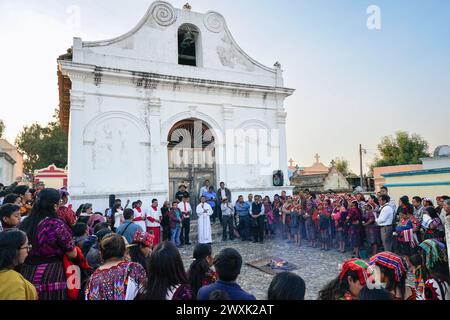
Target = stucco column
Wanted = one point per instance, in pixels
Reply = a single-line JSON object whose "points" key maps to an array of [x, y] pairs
{"points": [[283, 161], [75, 150], [156, 157], [224, 147]]}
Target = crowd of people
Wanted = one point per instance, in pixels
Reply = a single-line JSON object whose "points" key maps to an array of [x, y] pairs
{"points": [[48, 251]]}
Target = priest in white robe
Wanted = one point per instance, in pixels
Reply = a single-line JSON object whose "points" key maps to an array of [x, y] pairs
{"points": [[204, 211]]}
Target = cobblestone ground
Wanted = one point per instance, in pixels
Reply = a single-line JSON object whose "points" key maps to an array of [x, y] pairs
{"points": [[316, 267]]}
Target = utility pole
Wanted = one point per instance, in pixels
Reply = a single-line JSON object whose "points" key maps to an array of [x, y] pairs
{"points": [[361, 178]]}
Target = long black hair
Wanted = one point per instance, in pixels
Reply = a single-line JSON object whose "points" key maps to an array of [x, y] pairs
{"points": [[286, 286], [336, 288], [199, 267], [10, 243], [165, 271], [137, 255], [44, 207], [391, 284], [114, 209]]}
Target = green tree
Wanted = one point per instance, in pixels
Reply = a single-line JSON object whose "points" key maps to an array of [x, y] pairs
{"points": [[2, 128], [43, 145], [401, 149], [342, 165]]}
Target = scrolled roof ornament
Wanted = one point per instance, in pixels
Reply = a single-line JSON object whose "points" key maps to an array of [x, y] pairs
{"points": [[214, 22], [163, 13]]}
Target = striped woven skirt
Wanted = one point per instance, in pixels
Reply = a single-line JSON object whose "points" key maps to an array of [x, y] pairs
{"points": [[48, 277]]}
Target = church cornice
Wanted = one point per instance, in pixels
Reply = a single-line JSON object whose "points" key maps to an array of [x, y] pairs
{"points": [[76, 71]]}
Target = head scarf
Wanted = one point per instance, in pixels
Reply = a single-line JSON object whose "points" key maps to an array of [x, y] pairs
{"points": [[390, 261], [357, 265], [433, 252], [143, 238]]}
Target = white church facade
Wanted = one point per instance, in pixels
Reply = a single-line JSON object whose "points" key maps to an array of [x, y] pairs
{"points": [[173, 101]]}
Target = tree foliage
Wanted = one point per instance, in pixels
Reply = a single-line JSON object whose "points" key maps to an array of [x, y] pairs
{"points": [[401, 149], [342, 165], [2, 128], [43, 145]]}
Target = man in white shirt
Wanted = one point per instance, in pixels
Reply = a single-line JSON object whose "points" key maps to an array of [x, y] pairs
{"points": [[384, 220], [186, 212], [227, 219], [384, 190], [204, 211], [204, 189]]}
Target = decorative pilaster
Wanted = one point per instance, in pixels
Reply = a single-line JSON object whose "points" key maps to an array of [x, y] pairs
{"points": [[75, 150], [225, 148], [156, 154], [281, 124]]}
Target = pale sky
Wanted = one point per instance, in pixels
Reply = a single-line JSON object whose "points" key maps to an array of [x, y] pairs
{"points": [[353, 85]]}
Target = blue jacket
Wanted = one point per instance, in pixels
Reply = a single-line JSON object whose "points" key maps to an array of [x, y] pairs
{"points": [[242, 209], [233, 290]]}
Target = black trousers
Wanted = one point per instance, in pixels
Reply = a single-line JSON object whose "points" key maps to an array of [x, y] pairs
{"points": [[166, 233], [185, 230], [258, 229], [227, 223]]}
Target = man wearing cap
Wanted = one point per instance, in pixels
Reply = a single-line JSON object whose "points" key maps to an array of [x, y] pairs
{"points": [[181, 193]]}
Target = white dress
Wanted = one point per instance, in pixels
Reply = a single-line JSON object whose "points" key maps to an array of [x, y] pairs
{"points": [[204, 223]]}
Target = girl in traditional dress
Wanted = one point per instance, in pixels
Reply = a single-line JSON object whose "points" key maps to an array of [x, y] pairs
{"points": [[51, 240], [405, 232], [276, 209], [116, 278], [167, 277], [371, 229], [324, 226], [432, 227], [332, 230], [270, 225], [354, 228], [141, 248], [348, 285], [286, 217], [310, 224], [338, 218], [436, 275], [200, 273], [294, 221], [392, 272]]}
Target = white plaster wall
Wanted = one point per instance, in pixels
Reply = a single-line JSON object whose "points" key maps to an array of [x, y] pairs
{"points": [[152, 46], [120, 120], [436, 163]]}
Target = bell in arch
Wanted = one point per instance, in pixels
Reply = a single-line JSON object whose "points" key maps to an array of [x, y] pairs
{"points": [[188, 39]]}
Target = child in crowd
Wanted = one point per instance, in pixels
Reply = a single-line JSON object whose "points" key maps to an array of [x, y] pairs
{"points": [[9, 216]]}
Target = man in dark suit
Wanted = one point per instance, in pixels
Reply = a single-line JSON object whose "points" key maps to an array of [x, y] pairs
{"points": [[222, 192]]}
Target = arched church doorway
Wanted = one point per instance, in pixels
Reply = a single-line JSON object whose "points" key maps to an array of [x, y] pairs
{"points": [[191, 152]]}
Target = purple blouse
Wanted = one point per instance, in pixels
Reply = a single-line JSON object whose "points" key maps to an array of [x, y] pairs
{"points": [[53, 238]]}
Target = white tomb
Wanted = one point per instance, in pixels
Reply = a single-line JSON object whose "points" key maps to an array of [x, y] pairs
{"points": [[173, 101]]}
